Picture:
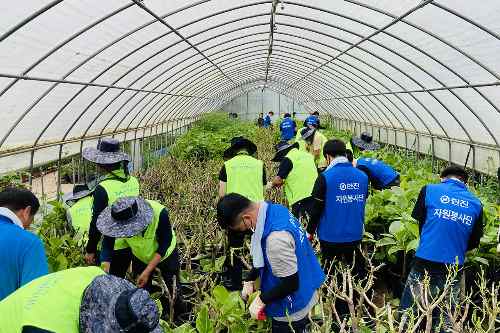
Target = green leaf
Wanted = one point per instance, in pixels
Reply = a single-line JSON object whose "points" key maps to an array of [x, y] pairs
{"points": [[413, 228], [203, 322], [412, 245], [386, 241], [395, 227], [220, 294], [395, 249], [480, 260]]}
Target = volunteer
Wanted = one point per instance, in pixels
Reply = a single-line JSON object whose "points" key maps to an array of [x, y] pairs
{"points": [[144, 226], [22, 255], [288, 128], [315, 142], [115, 183], [244, 174], [282, 256], [450, 219], [297, 172], [337, 213], [380, 174], [79, 300]]}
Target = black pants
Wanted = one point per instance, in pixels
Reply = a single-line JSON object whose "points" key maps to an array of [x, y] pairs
{"points": [[169, 268], [234, 265], [301, 207], [334, 253], [299, 326]]}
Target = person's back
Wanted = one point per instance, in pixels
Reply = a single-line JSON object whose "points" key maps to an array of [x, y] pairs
{"points": [[300, 181], [451, 212], [244, 176], [287, 128], [344, 213], [22, 255], [380, 174]]}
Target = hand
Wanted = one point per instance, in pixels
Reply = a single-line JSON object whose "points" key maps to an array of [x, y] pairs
{"points": [[90, 258], [143, 279], [248, 289], [257, 309], [498, 248], [309, 236], [105, 266], [269, 185]]}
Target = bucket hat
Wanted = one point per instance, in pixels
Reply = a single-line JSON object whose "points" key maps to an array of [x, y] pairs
{"points": [[111, 304], [307, 133], [238, 143], [282, 148], [127, 217], [107, 152], [79, 191], [365, 142]]}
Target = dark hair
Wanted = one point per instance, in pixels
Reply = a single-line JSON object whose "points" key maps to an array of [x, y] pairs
{"points": [[315, 113], [287, 115], [455, 170], [229, 207], [334, 148], [271, 112], [349, 155], [16, 199]]}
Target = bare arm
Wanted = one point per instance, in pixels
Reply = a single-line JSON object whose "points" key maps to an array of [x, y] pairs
{"points": [[222, 189]]}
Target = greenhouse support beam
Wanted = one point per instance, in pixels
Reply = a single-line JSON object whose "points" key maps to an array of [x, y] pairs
{"points": [[175, 31], [463, 86], [91, 84], [271, 37], [385, 27]]}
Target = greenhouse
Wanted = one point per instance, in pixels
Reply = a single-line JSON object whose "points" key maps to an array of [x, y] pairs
{"points": [[134, 132]]}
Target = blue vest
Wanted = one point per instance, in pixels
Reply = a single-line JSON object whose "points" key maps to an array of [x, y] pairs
{"points": [[379, 170], [312, 120], [451, 211], [344, 213], [311, 276], [267, 121], [287, 128]]}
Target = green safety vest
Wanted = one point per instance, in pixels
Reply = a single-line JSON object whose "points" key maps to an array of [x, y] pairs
{"points": [[145, 244], [51, 302], [116, 189], [80, 213], [298, 139], [244, 176], [300, 181], [349, 146]]}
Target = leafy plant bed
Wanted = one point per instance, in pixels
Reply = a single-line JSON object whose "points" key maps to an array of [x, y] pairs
{"points": [[186, 182]]}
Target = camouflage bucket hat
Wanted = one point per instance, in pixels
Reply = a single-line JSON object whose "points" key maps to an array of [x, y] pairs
{"points": [[365, 142], [111, 304], [282, 148], [127, 217], [79, 191], [107, 152], [307, 133]]}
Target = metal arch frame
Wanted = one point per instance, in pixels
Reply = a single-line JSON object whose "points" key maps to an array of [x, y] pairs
{"points": [[409, 77], [410, 61], [436, 120], [367, 38], [87, 28]]}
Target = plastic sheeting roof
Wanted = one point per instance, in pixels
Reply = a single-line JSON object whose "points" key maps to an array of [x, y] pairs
{"points": [[75, 68]]}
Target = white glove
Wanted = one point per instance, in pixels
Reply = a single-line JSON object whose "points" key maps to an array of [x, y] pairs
{"points": [[257, 309], [498, 248], [269, 185], [248, 289]]}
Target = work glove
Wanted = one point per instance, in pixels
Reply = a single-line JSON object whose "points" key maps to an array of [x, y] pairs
{"points": [[257, 309], [248, 289]]}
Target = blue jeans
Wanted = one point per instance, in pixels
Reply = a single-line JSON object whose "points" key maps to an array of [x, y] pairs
{"points": [[436, 284]]}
